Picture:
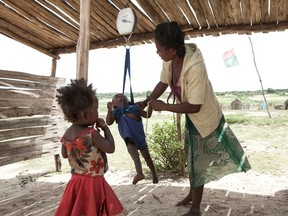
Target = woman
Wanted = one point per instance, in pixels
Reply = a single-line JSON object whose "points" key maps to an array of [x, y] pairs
{"points": [[211, 148]]}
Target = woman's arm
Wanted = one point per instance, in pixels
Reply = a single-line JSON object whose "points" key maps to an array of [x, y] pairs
{"points": [[159, 105], [156, 93], [148, 113]]}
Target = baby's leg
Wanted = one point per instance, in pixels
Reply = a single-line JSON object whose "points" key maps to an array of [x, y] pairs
{"points": [[138, 166], [146, 155]]}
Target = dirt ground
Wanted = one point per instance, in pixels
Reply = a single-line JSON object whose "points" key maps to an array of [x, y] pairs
{"points": [[32, 188]]}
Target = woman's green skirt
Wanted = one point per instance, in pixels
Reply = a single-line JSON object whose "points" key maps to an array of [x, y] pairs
{"points": [[212, 157]]}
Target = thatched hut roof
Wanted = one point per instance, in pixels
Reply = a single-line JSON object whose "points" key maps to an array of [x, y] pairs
{"points": [[52, 26]]}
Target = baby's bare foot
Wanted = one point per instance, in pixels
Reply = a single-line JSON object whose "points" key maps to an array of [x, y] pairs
{"points": [[155, 179], [138, 177]]}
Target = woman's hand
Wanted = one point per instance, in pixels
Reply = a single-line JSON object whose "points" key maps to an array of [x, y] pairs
{"points": [[157, 105]]}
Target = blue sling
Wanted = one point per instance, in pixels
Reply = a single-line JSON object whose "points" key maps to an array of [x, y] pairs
{"points": [[130, 129]]}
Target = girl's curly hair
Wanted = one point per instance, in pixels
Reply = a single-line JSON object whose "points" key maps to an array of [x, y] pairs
{"points": [[75, 98]]}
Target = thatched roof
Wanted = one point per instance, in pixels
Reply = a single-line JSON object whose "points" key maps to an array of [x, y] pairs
{"points": [[52, 26]]}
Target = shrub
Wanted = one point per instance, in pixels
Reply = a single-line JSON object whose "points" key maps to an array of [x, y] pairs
{"points": [[164, 146], [271, 91]]}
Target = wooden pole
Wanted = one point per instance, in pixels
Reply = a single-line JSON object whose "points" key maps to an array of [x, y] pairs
{"points": [[179, 134], [259, 78], [83, 40], [53, 67]]}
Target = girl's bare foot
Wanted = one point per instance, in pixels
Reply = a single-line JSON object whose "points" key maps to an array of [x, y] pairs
{"points": [[138, 177], [185, 201]]}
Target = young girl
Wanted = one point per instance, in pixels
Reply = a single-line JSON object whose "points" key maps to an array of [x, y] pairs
{"points": [[87, 192], [131, 130]]}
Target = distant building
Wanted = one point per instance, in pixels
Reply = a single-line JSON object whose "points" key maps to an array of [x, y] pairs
{"points": [[236, 105]]}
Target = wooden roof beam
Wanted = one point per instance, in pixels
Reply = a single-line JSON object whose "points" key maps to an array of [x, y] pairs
{"points": [[28, 43]]}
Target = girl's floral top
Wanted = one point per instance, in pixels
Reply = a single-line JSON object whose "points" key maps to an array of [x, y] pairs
{"points": [[84, 158]]}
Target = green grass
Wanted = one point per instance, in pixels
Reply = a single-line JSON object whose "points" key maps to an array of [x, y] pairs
{"points": [[264, 139]]}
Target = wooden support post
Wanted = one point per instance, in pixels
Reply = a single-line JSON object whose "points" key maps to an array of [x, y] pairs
{"points": [[83, 40], [53, 67], [179, 133], [58, 163]]}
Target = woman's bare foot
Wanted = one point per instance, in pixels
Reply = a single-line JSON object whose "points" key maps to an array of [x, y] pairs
{"points": [[193, 212], [138, 177], [185, 201]]}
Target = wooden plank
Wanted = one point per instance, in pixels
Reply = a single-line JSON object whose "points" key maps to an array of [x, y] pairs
{"points": [[32, 121], [151, 11], [198, 13], [25, 38], [204, 4], [27, 156], [16, 112], [47, 130], [190, 16], [173, 11], [243, 29], [10, 102], [28, 145], [228, 12], [10, 112], [63, 28], [236, 12], [106, 16], [217, 11], [30, 153], [72, 16], [27, 136], [51, 36], [273, 12], [32, 77], [246, 15], [255, 12], [264, 10], [28, 86], [282, 10]]}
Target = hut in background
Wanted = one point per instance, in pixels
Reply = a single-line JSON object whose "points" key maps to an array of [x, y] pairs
{"points": [[236, 105]]}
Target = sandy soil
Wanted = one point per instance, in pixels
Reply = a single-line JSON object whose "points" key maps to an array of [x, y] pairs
{"points": [[26, 193]]}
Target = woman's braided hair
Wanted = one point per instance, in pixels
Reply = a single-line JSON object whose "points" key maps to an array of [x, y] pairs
{"points": [[170, 35], [75, 98]]}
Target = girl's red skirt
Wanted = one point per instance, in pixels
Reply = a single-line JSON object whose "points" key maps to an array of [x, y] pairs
{"points": [[89, 196]]}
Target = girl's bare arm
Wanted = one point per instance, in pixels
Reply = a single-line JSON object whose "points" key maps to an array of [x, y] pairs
{"points": [[106, 143]]}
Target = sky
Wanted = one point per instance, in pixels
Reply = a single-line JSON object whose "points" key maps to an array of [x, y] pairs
{"points": [[106, 66]]}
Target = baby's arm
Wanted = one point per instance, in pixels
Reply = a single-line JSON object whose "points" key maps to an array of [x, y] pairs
{"points": [[106, 143], [110, 118]]}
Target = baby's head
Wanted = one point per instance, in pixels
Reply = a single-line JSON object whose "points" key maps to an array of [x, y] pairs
{"points": [[117, 100], [75, 98]]}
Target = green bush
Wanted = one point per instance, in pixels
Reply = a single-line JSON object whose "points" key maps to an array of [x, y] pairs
{"points": [[271, 91], [164, 146]]}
